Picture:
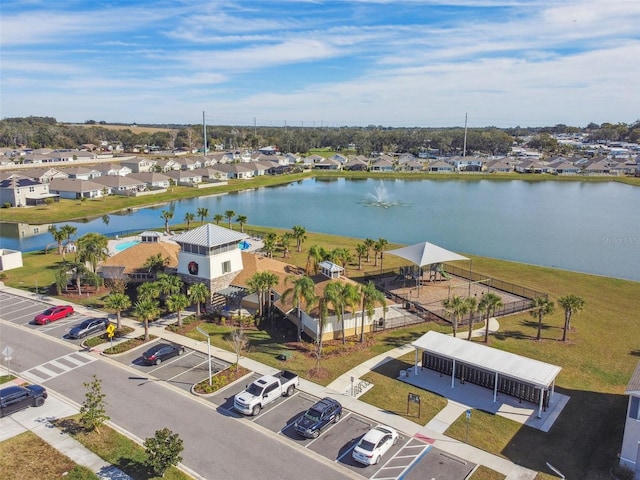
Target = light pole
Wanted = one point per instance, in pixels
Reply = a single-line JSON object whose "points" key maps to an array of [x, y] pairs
{"points": [[208, 349]]}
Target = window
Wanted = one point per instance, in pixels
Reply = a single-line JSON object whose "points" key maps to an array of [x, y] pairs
{"points": [[634, 408], [32, 189], [226, 266]]}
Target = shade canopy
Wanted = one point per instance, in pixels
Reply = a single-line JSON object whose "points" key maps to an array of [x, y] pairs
{"points": [[426, 253]]}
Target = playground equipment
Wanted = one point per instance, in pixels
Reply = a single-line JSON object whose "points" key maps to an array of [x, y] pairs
{"points": [[437, 273]]}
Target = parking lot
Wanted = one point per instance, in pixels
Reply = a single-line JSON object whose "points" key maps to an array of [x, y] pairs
{"points": [[409, 459]]}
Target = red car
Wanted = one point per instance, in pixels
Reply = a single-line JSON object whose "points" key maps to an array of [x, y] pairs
{"points": [[52, 314]]}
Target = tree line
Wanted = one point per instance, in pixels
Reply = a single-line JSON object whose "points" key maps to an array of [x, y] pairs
{"points": [[46, 132]]}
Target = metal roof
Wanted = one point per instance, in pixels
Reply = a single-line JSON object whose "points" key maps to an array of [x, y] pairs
{"points": [[633, 387], [210, 235], [508, 364]]}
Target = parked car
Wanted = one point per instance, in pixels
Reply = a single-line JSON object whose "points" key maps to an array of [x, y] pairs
{"points": [[161, 352], [89, 326], [265, 390], [16, 398], [320, 415], [52, 314], [374, 445]]}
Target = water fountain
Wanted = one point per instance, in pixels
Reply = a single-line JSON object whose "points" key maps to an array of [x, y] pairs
{"points": [[380, 198]]}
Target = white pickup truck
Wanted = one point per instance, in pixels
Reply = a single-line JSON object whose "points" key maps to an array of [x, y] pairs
{"points": [[265, 390]]}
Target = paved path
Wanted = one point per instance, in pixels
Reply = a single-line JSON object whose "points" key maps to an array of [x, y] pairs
{"points": [[339, 388]]}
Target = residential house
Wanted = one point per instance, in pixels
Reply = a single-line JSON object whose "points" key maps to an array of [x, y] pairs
{"points": [[327, 164], [139, 165], [566, 168], [152, 179], [234, 170], [630, 452], [414, 165], [532, 166], [184, 177], [598, 167], [75, 188], [44, 175], [382, 164], [311, 160], [190, 163], [167, 165], [20, 191], [500, 165], [440, 166], [82, 173], [114, 169], [467, 164], [119, 185], [339, 158], [356, 164], [212, 174]]}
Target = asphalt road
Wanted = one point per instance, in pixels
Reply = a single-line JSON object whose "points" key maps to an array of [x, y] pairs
{"points": [[216, 445]]}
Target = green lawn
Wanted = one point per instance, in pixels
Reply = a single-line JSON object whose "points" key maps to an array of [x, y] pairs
{"points": [[116, 449]]}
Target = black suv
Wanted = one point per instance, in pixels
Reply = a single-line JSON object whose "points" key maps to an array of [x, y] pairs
{"points": [[16, 398], [323, 413]]}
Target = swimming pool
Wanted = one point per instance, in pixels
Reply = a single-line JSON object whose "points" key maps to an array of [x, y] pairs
{"points": [[123, 246]]}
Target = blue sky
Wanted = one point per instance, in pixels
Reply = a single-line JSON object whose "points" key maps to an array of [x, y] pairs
{"points": [[379, 62]]}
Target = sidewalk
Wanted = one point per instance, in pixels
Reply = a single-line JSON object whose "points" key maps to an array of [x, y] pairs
{"points": [[341, 389]]}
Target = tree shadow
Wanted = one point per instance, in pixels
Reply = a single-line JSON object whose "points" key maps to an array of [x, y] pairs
{"points": [[635, 353], [505, 334]]}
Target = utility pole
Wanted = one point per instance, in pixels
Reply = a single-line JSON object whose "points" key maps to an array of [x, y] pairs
{"points": [[464, 147], [204, 134]]}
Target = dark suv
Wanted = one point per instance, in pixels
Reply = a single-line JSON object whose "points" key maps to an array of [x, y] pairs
{"points": [[16, 398], [323, 413]]}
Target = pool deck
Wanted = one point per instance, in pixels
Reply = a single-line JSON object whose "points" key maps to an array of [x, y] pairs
{"points": [[255, 244]]}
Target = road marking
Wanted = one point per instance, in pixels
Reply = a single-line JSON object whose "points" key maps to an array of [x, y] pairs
{"points": [[41, 373], [414, 463]]}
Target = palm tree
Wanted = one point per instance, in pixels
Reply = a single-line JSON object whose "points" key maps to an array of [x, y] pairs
{"points": [[58, 237], [323, 316], [314, 257], [369, 243], [457, 307], [270, 281], [361, 251], [188, 218], [303, 288], [176, 303], [570, 304], [541, 307], [242, 220], [145, 310], [229, 214], [198, 294], [379, 249], [218, 218], [370, 297], [148, 291], [169, 284], [341, 256], [202, 212], [352, 298], [269, 244], [155, 263], [300, 234], [284, 241], [488, 305], [342, 295], [256, 284], [92, 248], [69, 231], [166, 215], [117, 302], [472, 306]]}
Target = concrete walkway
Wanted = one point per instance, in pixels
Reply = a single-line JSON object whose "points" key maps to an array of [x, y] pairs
{"points": [[339, 388]]}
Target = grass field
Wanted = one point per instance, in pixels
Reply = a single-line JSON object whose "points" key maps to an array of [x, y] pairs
{"points": [[27, 456]]}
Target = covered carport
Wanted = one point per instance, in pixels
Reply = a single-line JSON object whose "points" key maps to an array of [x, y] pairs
{"points": [[504, 372]]}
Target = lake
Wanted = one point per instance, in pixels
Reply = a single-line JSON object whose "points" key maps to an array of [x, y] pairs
{"points": [[580, 226]]}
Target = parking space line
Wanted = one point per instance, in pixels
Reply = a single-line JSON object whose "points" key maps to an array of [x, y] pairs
{"points": [[332, 425], [414, 463]]}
